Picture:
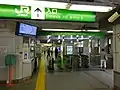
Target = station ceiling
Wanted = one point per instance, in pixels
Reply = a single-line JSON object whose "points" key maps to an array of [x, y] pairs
{"points": [[61, 25], [66, 25], [100, 23], [97, 2]]}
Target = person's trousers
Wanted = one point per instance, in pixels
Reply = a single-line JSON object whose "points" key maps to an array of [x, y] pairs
{"points": [[103, 64]]}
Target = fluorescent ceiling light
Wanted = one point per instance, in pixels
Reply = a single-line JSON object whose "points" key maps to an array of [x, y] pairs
{"points": [[70, 30], [90, 40], [47, 44], [71, 41], [77, 40], [49, 4], [77, 36], [52, 4], [75, 43], [58, 41], [60, 5], [17, 2], [91, 8], [93, 30], [109, 31], [83, 30], [63, 40]]}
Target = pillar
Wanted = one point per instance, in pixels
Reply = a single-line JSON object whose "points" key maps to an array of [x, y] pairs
{"points": [[116, 55], [62, 55]]}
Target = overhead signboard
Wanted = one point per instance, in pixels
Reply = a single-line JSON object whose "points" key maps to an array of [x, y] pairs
{"points": [[68, 33], [69, 15], [14, 11], [42, 13], [62, 14]]}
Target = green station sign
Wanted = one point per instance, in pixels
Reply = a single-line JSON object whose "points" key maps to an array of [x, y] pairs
{"points": [[68, 33], [69, 15], [15, 11], [34, 12]]}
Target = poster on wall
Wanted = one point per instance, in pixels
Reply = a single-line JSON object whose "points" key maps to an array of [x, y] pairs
{"points": [[69, 50], [3, 49]]}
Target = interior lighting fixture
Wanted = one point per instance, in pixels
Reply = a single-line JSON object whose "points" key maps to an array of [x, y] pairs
{"points": [[70, 30], [61, 30], [71, 41], [77, 40], [93, 8], [49, 4], [58, 41], [77, 36], [93, 30], [47, 44], [61, 5], [109, 31], [63, 39], [52, 4]]}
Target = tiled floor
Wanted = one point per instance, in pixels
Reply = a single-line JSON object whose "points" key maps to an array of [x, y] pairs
{"points": [[88, 80], [82, 80], [104, 77], [26, 85]]}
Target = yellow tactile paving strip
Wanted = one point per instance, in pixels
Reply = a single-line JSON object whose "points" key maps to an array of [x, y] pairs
{"points": [[40, 85]]}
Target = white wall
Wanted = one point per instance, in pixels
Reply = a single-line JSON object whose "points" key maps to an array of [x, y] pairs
{"points": [[19, 63], [9, 43], [6, 43]]}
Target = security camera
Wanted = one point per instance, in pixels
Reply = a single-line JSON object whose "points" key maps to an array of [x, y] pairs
{"points": [[114, 16]]}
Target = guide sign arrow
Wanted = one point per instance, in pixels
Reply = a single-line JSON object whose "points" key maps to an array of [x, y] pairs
{"points": [[38, 12]]}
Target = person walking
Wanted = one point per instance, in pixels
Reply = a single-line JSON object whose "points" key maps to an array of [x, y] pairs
{"points": [[48, 52], [56, 52], [104, 59]]}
